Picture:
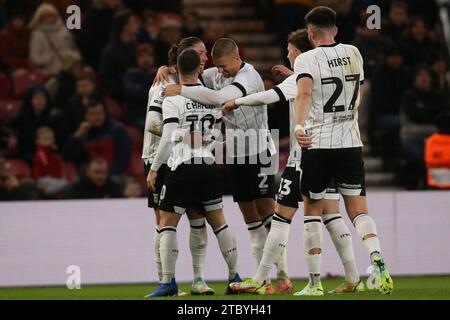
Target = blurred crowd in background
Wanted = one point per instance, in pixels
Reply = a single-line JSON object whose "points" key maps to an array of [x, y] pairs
{"points": [[73, 102]]}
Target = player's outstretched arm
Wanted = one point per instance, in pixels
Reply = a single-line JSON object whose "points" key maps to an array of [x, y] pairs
{"points": [[281, 70], [258, 99], [205, 95]]}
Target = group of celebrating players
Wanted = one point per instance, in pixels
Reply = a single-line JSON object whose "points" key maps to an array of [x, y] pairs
{"points": [[186, 108]]}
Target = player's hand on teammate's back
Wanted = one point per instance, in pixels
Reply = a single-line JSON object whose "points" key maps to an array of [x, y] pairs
{"points": [[172, 90], [303, 139], [281, 70], [227, 107], [151, 180], [163, 74]]}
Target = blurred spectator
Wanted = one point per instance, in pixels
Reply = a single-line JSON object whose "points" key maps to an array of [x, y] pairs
{"points": [[13, 189], [192, 26], [136, 83], [290, 15], [416, 45], [50, 42], [95, 29], [372, 45], [419, 107], [170, 33], [62, 86], [35, 113], [150, 30], [214, 31], [99, 136], [131, 188], [14, 42], [388, 83], [345, 19], [77, 105], [8, 142], [119, 54], [437, 154], [95, 183], [47, 163], [439, 66], [394, 25]]}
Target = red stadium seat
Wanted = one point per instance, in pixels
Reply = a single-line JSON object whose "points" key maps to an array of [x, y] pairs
{"points": [[114, 109], [137, 138], [17, 168], [24, 81], [69, 171], [136, 167], [9, 108]]}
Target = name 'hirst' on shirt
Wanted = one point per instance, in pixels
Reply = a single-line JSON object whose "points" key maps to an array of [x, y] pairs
{"points": [[339, 62]]}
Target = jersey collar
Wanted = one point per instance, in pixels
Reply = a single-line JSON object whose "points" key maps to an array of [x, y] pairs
{"points": [[329, 45], [192, 85], [242, 65]]}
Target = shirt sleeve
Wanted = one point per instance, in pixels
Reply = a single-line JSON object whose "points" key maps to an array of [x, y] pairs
{"points": [[287, 89], [154, 110], [302, 67], [170, 112], [361, 65]]}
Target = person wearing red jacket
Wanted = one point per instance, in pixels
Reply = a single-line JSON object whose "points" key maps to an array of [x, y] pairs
{"points": [[47, 163]]}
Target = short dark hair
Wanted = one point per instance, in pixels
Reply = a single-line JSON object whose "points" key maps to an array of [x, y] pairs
{"points": [[322, 17], [299, 39], [188, 62], [95, 102]]}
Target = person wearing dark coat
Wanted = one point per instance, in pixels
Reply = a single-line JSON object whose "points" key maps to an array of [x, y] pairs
{"points": [[35, 113], [95, 183], [119, 54], [99, 137], [94, 33]]}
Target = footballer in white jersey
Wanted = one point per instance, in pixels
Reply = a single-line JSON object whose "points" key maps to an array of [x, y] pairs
{"points": [[248, 181], [327, 101], [337, 70], [152, 134]]}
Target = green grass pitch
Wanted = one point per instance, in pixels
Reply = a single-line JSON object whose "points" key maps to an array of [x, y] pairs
{"points": [[406, 288]]}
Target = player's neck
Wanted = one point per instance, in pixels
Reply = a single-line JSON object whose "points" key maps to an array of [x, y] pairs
{"points": [[325, 41], [189, 80]]}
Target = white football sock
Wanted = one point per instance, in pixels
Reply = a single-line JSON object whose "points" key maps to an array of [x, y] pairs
{"points": [[227, 245], [198, 238], [156, 238], [258, 236], [282, 266], [312, 238], [365, 225], [169, 252], [342, 239], [275, 243]]}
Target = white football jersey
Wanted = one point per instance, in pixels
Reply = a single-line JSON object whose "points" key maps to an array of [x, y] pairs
{"points": [[337, 72], [155, 100], [192, 118], [248, 81], [287, 90]]}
